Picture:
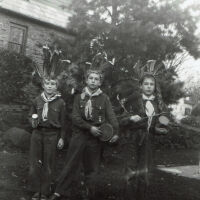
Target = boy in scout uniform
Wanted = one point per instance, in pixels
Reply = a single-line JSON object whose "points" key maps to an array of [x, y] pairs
{"points": [[91, 109], [47, 116], [48, 133], [142, 120]]}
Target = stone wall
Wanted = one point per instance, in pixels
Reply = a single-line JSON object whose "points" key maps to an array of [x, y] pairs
{"points": [[38, 34]]}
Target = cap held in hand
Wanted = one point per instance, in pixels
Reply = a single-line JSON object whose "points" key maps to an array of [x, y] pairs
{"points": [[107, 132]]}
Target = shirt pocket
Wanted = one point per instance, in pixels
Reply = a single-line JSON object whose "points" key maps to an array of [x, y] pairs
{"points": [[39, 109], [54, 112]]}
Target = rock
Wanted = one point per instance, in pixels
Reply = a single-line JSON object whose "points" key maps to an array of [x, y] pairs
{"points": [[18, 137], [3, 126]]}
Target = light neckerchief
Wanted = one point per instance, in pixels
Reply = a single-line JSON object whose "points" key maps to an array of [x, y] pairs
{"points": [[88, 105], [149, 109], [46, 104]]}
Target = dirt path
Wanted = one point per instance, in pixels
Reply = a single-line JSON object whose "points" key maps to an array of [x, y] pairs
{"points": [[165, 186], [13, 168]]}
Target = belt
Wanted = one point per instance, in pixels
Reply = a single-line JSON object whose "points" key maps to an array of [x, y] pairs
{"points": [[47, 128]]}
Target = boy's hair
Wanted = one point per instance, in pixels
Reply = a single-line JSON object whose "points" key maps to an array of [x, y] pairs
{"points": [[94, 71], [147, 75], [161, 105], [48, 78]]}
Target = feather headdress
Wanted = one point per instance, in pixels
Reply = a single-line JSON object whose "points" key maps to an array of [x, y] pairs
{"points": [[53, 65], [129, 86], [151, 68], [100, 63], [56, 68]]}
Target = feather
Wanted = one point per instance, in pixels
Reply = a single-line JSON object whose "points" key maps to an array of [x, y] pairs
{"points": [[150, 65], [159, 69], [55, 68], [46, 63], [66, 61]]}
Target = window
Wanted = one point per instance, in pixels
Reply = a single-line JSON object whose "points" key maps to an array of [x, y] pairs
{"points": [[1, 43], [17, 38], [187, 111]]}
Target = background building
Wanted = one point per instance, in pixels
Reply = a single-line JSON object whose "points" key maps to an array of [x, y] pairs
{"points": [[26, 25], [183, 108]]}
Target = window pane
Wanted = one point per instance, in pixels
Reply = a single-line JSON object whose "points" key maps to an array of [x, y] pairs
{"points": [[1, 43], [187, 111], [14, 47], [16, 35]]}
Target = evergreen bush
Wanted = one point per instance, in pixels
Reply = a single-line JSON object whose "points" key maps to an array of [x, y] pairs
{"points": [[15, 74]]}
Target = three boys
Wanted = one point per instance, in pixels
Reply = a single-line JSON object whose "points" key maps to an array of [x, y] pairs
{"points": [[91, 109]]}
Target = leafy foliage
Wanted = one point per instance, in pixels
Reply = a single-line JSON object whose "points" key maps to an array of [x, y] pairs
{"points": [[15, 74], [192, 89], [133, 30]]}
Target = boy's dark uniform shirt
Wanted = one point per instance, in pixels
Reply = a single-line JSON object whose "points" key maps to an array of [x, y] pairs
{"points": [[136, 106], [102, 113], [56, 114]]}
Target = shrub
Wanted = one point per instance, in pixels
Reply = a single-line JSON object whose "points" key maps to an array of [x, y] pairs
{"points": [[15, 74]]}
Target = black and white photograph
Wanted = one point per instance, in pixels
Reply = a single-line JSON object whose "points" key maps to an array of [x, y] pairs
{"points": [[99, 100]]}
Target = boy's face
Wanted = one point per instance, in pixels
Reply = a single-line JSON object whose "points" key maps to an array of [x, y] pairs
{"points": [[93, 81], [50, 86], [148, 86]]}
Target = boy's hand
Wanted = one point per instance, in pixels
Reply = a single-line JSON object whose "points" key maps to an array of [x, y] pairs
{"points": [[163, 131], [60, 143], [96, 132], [114, 139], [135, 118]]}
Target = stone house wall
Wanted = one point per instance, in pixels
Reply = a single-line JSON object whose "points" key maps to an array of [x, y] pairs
{"points": [[37, 34]]}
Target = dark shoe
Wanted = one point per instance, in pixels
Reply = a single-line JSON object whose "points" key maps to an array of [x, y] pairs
{"points": [[52, 187], [43, 197], [35, 196], [55, 197]]}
